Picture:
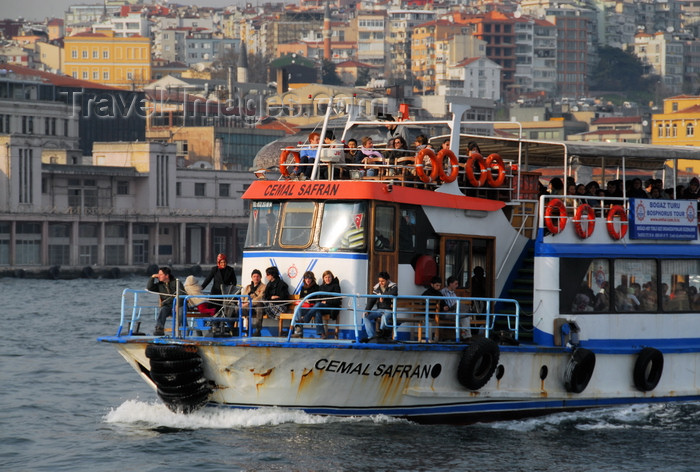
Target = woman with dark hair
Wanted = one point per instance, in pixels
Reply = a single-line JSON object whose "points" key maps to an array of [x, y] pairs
{"points": [[275, 293], [256, 291], [306, 312]]}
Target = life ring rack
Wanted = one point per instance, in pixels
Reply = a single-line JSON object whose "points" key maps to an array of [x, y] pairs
{"points": [[558, 206], [284, 155], [454, 164], [616, 211], [420, 166], [476, 159], [495, 162], [588, 210]]}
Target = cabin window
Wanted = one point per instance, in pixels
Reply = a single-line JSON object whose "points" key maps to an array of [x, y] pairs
{"points": [[297, 222], [384, 231], [262, 224], [343, 226], [584, 285], [457, 252], [635, 285], [680, 282]]}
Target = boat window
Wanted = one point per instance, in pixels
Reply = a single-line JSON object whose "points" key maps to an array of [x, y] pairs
{"points": [[262, 224], [343, 226], [635, 285], [384, 234], [297, 221], [584, 285], [680, 283], [457, 260]]}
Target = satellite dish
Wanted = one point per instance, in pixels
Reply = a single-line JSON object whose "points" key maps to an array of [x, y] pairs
{"points": [[645, 123], [670, 29], [517, 14]]}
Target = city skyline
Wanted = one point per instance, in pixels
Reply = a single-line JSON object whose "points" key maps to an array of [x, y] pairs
{"points": [[38, 10]]}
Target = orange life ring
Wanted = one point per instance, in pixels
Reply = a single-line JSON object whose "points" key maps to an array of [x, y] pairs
{"points": [[454, 162], [619, 212], [578, 226], [420, 171], [494, 161], [553, 205], [283, 160], [476, 158]]}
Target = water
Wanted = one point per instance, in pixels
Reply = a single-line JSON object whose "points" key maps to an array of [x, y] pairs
{"points": [[69, 403]]}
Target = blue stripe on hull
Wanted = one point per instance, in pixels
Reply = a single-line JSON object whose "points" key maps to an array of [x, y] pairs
{"points": [[481, 411]]}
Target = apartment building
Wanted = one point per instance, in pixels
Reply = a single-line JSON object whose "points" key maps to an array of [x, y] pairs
{"points": [[108, 60], [400, 25], [661, 54]]}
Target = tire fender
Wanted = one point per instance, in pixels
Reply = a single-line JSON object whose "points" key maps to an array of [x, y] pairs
{"points": [[478, 363], [579, 370], [648, 369]]}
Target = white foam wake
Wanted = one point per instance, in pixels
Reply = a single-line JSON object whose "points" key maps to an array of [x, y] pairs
{"points": [[156, 414]]}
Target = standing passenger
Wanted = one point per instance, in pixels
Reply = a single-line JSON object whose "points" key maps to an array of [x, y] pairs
{"points": [[168, 287]]}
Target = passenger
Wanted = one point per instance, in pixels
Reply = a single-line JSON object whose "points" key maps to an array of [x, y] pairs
{"points": [[333, 153], [421, 142], [478, 289], [464, 321], [353, 156], [307, 155], [385, 304], [693, 190], [168, 287], [398, 149], [275, 294], [256, 290], [635, 189], [329, 305], [433, 290], [648, 298], [393, 130], [445, 146], [198, 304], [369, 152], [679, 300], [223, 277], [310, 286], [602, 298], [556, 186]]}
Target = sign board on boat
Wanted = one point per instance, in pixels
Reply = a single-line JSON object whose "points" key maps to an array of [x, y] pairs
{"points": [[663, 219]]}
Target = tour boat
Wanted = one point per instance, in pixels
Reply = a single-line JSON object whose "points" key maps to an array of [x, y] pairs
{"points": [[589, 301]]}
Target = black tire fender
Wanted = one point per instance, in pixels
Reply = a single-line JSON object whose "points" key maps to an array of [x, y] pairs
{"points": [[178, 365], [478, 363], [579, 370], [648, 369], [170, 351], [172, 379]]}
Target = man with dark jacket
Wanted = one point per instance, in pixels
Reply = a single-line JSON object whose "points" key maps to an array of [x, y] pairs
{"points": [[385, 304], [276, 290], [164, 283]]}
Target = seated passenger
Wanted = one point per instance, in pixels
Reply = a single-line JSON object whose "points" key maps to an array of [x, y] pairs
{"points": [[464, 321], [433, 290], [385, 304], [310, 286], [369, 152], [276, 293], [197, 304], [256, 290]]}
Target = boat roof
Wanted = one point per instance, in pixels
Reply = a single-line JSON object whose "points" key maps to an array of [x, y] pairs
{"points": [[553, 153]]}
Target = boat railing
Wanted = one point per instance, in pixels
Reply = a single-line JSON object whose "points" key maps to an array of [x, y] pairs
{"points": [[412, 314], [410, 317]]}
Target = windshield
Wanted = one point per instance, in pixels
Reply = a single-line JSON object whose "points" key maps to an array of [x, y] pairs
{"points": [[343, 226], [262, 224]]}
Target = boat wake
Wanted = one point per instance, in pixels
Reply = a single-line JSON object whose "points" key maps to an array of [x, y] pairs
{"points": [[157, 415], [649, 416]]}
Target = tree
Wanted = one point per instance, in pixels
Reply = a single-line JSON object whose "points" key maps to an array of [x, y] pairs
{"points": [[329, 76], [363, 77], [617, 70]]}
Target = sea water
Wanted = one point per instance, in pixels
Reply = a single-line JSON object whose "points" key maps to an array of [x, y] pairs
{"points": [[69, 403]]}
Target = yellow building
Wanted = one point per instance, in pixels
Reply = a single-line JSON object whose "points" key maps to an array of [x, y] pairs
{"points": [[108, 60], [678, 125]]}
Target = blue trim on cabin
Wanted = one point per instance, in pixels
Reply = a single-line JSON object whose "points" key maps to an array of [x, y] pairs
{"points": [[644, 251], [305, 254], [627, 346]]}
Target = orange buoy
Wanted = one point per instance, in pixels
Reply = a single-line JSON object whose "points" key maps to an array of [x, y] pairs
{"points": [[616, 211], [476, 159], [555, 205], [283, 160], [588, 210], [454, 163]]}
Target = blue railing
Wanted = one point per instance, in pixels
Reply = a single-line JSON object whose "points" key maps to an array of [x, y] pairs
{"points": [[409, 317]]}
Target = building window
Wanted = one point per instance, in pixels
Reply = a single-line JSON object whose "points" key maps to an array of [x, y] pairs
{"points": [[123, 187], [95, 54], [178, 189], [26, 174], [224, 190], [660, 131], [85, 75], [85, 54], [105, 54], [199, 189], [74, 54], [690, 130], [674, 130], [105, 76], [95, 75]]}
